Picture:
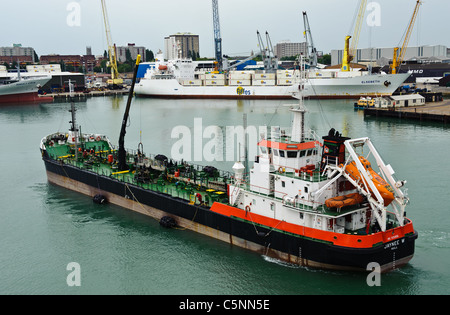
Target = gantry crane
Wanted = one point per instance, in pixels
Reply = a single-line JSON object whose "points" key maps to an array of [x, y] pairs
{"points": [[350, 50], [312, 52], [398, 57], [217, 37], [115, 82]]}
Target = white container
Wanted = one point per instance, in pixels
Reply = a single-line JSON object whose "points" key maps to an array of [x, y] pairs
{"points": [[214, 82], [285, 74], [240, 82], [264, 76], [263, 82], [285, 81], [240, 75], [215, 76]]}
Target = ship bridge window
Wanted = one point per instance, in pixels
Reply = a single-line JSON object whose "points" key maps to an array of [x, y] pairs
{"points": [[275, 152], [282, 153], [291, 154], [302, 153], [263, 150]]}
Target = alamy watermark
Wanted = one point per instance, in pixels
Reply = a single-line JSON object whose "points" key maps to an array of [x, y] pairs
{"points": [[73, 19], [374, 17], [74, 277], [374, 277], [215, 143]]}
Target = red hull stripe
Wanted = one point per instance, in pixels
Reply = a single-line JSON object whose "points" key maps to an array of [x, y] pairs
{"points": [[338, 239], [25, 97]]}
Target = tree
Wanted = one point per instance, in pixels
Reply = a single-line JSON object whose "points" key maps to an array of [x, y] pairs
{"points": [[149, 56], [36, 57], [325, 59]]}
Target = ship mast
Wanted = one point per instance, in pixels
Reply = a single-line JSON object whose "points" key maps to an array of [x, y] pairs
{"points": [[298, 124], [122, 153], [74, 128]]}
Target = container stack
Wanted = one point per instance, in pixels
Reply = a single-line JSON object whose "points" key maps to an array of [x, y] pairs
{"points": [[264, 79], [240, 78], [214, 79]]}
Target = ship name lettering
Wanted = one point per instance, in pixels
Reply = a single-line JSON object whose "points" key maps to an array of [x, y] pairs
{"points": [[392, 245]]}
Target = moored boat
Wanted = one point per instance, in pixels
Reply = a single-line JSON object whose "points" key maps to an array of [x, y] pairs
{"points": [[19, 89]]}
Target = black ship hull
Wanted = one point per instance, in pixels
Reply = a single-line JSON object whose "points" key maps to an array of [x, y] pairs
{"points": [[267, 241]]}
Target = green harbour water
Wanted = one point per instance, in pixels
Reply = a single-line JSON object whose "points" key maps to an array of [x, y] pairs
{"points": [[43, 228]]}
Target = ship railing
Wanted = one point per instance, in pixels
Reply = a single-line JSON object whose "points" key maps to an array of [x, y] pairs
{"points": [[310, 175], [304, 205], [284, 134]]}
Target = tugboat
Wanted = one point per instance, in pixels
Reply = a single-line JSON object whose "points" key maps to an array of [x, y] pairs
{"points": [[308, 201]]}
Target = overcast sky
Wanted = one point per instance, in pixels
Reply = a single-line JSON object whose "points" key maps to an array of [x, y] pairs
{"points": [[44, 25]]}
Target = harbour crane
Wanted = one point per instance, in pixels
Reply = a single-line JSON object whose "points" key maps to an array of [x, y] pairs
{"points": [[268, 55], [398, 57], [217, 37], [312, 52], [350, 50], [115, 82]]}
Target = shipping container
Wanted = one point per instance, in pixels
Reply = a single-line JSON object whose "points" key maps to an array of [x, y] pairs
{"points": [[239, 76], [285, 81], [264, 76], [214, 82], [240, 82], [215, 76], [263, 82]]}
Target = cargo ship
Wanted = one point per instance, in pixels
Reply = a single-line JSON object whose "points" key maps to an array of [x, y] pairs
{"points": [[18, 89], [179, 79], [308, 201]]}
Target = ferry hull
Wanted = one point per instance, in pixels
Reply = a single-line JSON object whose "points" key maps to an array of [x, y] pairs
{"points": [[23, 91], [315, 88], [265, 240]]}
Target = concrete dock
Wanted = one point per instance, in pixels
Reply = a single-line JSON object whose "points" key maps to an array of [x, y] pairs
{"points": [[436, 112], [84, 95]]}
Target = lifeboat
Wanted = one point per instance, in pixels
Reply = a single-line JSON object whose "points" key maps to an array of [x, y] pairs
{"points": [[344, 201], [383, 188]]}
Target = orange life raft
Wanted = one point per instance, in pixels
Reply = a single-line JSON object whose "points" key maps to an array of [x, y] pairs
{"points": [[383, 188], [344, 201]]}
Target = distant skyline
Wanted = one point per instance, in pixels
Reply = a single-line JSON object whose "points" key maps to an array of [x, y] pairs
{"points": [[68, 26]]}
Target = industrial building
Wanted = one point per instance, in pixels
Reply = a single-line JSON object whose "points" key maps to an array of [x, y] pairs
{"points": [[287, 49], [181, 45], [382, 56], [134, 50], [86, 62], [17, 53], [60, 79]]}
